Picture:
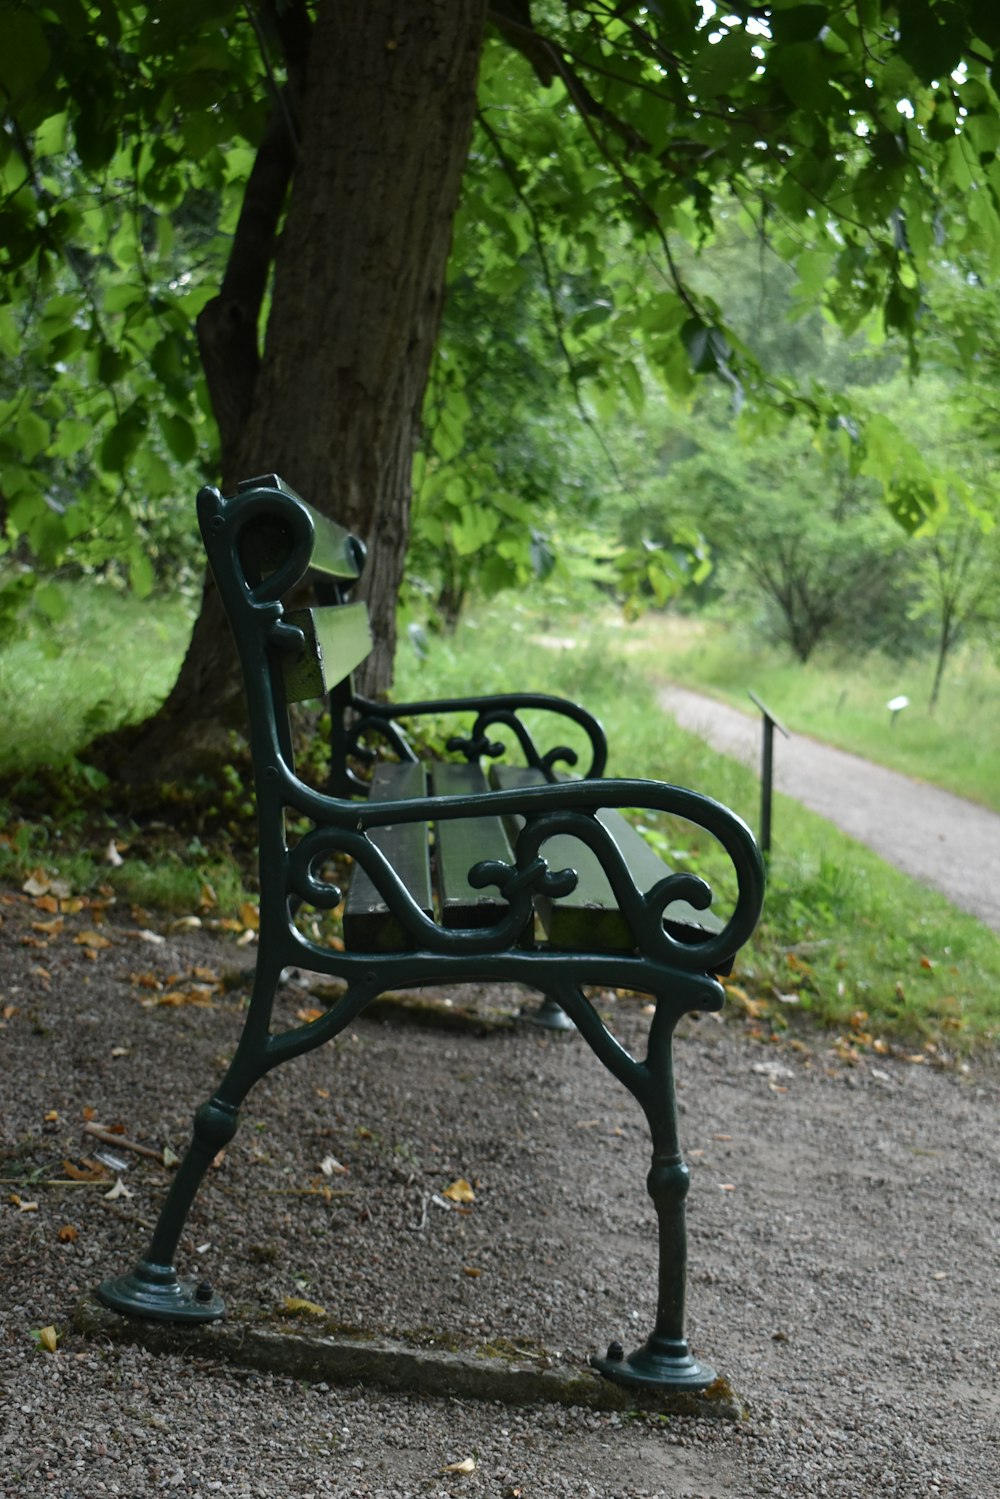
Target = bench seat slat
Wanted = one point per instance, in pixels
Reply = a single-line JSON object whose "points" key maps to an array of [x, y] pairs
{"points": [[369, 925], [461, 844], [589, 917], [337, 639]]}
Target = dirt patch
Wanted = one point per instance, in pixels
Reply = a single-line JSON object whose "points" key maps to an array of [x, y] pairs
{"points": [[843, 1222]]}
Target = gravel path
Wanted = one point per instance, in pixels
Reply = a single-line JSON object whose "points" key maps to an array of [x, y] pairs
{"points": [[844, 1223], [939, 839]]}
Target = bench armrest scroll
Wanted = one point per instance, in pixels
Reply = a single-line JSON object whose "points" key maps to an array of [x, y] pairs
{"points": [[493, 712]]}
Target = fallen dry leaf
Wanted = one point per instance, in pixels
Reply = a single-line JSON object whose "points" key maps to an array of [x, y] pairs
{"points": [[118, 1190], [112, 856], [298, 1307], [37, 883], [48, 1339], [467, 1465], [250, 916], [18, 1202], [471, 1271], [67, 1234], [307, 1016], [93, 940], [88, 1171], [330, 1166], [144, 935], [460, 1191]]}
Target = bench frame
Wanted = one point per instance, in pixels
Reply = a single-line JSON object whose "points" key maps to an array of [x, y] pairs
{"points": [[679, 971]]}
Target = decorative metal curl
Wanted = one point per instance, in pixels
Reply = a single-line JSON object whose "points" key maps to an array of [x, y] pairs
{"points": [[323, 894], [386, 728], [511, 879], [474, 748]]}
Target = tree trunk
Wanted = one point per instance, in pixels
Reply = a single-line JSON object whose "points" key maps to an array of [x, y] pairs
{"points": [[384, 124]]}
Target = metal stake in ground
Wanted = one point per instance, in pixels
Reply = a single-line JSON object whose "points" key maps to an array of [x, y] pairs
{"points": [[767, 770]]}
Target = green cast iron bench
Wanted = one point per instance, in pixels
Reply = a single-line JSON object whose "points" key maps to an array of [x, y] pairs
{"points": [[511, 874]]}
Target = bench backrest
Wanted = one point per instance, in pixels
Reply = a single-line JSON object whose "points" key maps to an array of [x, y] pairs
{"points": [[262, 543]]}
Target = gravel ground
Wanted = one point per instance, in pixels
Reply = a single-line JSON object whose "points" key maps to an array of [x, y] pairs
{"points": [[843, 1243]]}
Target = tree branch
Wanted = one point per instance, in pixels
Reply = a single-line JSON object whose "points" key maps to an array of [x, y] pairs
{"points": [[550, 288], [228, 325]]}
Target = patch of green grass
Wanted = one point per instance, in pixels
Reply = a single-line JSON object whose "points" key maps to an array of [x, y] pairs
{"points": [[111, 660], [846, 942]]}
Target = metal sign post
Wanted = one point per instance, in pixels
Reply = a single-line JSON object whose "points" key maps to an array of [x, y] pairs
{"points": [[767, 770]]}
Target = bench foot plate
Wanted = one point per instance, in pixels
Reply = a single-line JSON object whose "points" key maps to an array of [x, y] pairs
{"points": [[660, 1364], [550, 1015], [155, 1293]]}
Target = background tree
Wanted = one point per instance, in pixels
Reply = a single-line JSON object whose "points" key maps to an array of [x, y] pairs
{"points": [[312, 156]]}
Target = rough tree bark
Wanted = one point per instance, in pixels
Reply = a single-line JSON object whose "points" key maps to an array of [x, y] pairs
{"points": [[373, 135]]}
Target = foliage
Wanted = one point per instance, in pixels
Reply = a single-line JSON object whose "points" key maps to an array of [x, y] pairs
{"points": [[614, 142], [802, 555], [122, 163]]}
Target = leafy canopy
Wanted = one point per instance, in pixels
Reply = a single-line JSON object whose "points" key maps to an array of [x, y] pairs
{"points": [[859, 140]]}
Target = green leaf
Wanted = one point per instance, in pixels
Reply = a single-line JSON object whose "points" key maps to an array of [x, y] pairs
{"points": [[33, 433], [179, 436], [24, 54], [52, 602], [141, 575], [123, 439]]}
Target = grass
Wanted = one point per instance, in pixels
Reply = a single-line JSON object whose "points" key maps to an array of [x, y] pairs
{"points": [[847, 944], [111, 660], [844, 702]]}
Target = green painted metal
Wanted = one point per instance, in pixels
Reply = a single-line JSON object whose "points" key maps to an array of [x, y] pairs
{"points": [[368, 922], [335, 639], [332, 550], [589, 915], [677, 970]]}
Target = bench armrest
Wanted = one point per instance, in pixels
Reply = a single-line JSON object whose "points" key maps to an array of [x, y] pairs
{"points": [[497, 711], [565, 808]]}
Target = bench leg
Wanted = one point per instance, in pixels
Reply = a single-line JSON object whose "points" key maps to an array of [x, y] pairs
{"points": [[549, 1015], [664, 1361], [153, 1290]]}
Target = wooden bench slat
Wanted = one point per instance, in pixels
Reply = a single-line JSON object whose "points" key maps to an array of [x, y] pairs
{"points": [[369, 926], [589, 917], [334, 550], [461, 844], [337, 639]]}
